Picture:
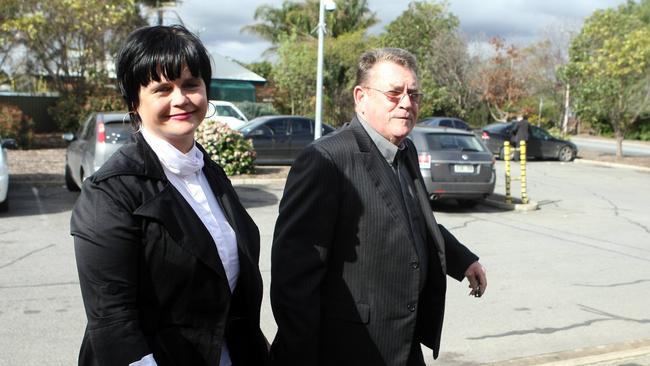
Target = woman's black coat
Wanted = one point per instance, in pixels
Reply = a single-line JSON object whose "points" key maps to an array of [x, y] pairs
{"points": [[150, 274]]}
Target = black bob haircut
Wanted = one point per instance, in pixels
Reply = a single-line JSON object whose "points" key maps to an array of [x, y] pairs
{"points": [[150, 53]]}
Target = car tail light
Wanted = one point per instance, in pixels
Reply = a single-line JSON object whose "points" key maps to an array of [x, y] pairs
{"points": [[485, 135], [101, 132], [424, 160]]}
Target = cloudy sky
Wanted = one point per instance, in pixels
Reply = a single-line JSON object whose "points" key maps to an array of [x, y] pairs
{"points": [[218, 22]]}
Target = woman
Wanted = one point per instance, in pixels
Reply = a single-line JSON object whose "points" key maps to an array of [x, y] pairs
{"points": [[167, 255]]}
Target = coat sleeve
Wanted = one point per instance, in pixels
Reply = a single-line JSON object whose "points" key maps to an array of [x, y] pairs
{"points": [[303, 236], [458, 257], [107, 243]]}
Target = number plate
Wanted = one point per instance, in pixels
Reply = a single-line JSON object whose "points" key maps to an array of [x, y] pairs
{"points": [[463, 168]]}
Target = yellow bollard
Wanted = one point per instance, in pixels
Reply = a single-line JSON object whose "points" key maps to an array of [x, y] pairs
{"points": [[522, 163], [506, 158]]}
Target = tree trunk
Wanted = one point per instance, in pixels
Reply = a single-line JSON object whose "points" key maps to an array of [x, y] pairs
{"points": [[619, 143]]}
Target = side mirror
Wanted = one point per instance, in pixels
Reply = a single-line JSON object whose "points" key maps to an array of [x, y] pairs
{"points": [[9, 144], [68, 136]]}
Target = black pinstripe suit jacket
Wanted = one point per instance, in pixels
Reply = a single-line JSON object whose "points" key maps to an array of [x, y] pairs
{"points": [[345, 277]]}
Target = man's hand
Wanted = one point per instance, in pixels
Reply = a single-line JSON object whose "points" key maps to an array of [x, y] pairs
{"points": [[475, 273]]}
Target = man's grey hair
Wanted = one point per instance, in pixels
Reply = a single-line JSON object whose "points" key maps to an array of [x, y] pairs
{"points": [[389, 54]]}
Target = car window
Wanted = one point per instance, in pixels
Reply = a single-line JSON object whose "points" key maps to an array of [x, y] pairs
{"points": [[461, 125], [301, 127], [86, 128], [446, 123], [278, 126], [453, 142], [117, 132], [497, 128], [228, 111], [539, 133]]}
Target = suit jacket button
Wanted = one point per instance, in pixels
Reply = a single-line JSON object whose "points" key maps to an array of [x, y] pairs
{"points": [[411, 307], [415, 265]]}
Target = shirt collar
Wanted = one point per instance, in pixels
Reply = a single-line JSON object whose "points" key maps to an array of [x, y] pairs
{"points": [[386, 148]]}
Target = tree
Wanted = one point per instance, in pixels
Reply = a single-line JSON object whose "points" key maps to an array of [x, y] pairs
{"points": [[429, 31], [502, 84], [301, 19], [71, 41], [609, 68]]}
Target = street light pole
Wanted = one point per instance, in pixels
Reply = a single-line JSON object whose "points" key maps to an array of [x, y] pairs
{"points": [[319, 72]]}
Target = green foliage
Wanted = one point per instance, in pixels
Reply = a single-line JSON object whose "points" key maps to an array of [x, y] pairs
{"points": [[252, 109], [299, 19], [609, 67], [226, 147], [69, 40], [641, 131], [15, 124], [71, 107], [295, 76], [429, 31]]}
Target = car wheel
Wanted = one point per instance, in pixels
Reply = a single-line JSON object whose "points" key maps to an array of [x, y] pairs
{"points": [[467, 203], [4, 206], [69, 182], [566, 154]]}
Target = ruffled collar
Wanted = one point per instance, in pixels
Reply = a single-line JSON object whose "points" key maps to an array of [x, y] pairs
{"points": [[173, 159]]}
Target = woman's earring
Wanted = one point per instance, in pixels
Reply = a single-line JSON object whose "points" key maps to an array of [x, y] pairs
{"points": [[214, 110]]}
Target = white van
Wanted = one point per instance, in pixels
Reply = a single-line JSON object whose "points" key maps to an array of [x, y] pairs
{"points": [[227, 113]]}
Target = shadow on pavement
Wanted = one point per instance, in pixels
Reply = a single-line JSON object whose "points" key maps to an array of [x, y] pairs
{"points": [[27, 199], [252, 197]]}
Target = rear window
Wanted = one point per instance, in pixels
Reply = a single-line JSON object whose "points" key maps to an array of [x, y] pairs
{"points": [[117, 132], [497, 127], [437, 141], [228, 111]]}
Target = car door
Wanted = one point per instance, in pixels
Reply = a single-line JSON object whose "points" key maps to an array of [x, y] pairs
{"points": [[537, 142], [281, 149], [262, 137], [302, 133]]}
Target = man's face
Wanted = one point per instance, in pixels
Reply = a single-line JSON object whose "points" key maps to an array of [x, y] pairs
{"points": [[383, 102]]}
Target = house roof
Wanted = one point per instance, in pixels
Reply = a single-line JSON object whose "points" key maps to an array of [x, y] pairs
{"points": [[224, 68]]}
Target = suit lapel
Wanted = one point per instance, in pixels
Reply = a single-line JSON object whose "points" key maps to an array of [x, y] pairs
{"points": [[183, 225], [383, 177]]}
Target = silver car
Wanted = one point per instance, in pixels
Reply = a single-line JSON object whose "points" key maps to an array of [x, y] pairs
{"points": [[455, 164], [98, 137]]}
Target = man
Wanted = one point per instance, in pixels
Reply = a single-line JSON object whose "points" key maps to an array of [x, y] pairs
{"points": [[520, 130], [358, 260]]}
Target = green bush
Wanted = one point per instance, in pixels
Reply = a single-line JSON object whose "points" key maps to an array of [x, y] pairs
{"points": [[68, 111], [16, 124], [226, 147]]}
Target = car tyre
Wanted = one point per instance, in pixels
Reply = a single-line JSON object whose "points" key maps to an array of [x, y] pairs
{"points": [[4, 206], [566, 154], [69, 182]]}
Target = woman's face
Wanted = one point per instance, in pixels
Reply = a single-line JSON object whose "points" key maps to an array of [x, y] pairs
{"points": [[173, 109]]}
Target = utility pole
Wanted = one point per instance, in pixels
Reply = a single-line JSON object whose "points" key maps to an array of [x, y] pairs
{"points": [[324, 5]]}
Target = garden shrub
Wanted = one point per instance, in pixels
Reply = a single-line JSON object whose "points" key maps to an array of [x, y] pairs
{"points": [[16, 124], [252, 109], [227, 147]]}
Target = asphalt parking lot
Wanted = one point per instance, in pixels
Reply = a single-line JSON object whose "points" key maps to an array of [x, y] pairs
{"points": [[568, 278]]}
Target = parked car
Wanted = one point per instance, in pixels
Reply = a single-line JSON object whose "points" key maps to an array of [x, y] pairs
{"points": [[4, 172], [98, 137], [540, 144], [279, 139], [455, 164], [228, 113], [450, 122]]}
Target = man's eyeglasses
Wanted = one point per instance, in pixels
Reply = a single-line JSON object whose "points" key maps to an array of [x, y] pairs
{"points": [[396, 96]]}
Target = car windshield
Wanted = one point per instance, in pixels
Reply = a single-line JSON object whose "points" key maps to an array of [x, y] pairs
{"points": [[117, 132], [438, 141], [228, 111]]}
